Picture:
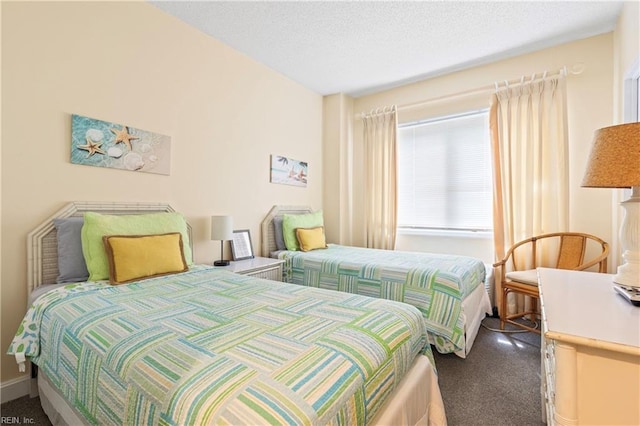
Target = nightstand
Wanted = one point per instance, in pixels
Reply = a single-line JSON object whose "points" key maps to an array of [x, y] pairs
{"points": [[260, 267]]}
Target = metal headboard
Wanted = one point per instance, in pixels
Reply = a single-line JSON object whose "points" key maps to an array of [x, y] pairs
{"points": [[267, 232], [42, 244]]}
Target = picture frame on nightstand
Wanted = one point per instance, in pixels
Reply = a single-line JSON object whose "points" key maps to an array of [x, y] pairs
{"points": [[241, 247]]}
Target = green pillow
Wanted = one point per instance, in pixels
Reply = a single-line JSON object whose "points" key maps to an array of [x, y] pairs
{"points": [[292, 221], [97, 225]]}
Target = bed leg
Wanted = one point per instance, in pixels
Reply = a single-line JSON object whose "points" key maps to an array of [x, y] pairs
{"points": [[503, 307], [33, 383]]}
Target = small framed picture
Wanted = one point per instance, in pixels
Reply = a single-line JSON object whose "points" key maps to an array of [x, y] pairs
{"points": [[241, 245]]}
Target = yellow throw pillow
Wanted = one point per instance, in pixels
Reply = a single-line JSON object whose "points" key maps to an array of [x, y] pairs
{"points": [[134, 257], [311, 238]]}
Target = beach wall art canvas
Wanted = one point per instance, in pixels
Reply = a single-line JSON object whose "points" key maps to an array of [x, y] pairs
{"points": [[118, 146], [288, 171]]}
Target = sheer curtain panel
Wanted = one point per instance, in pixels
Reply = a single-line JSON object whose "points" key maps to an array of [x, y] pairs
{"points": [[380, 179], [529, 142]]}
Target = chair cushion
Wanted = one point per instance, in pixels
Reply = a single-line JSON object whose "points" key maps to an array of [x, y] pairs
{"points": [[529, 276]]}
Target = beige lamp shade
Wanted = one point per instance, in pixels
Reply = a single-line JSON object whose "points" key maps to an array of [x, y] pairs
{"points": [[615, 158], [221, 228]]}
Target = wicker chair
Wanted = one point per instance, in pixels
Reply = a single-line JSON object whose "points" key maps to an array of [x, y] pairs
{"points": [[561, 250]]}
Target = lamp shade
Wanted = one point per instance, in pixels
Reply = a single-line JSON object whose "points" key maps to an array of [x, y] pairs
{"points": [[221, 228], [615, 158]]}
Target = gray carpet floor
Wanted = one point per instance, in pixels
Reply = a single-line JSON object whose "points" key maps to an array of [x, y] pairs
{"points": [[497, 384]]}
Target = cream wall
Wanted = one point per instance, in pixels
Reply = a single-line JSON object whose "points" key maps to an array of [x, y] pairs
{"points": [[131, 63], [590, 106], [337, 160]]}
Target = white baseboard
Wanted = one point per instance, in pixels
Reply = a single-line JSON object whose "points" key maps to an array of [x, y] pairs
{"points": [[15, 388]]}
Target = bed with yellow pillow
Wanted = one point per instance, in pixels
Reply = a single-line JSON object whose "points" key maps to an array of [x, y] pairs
{"points": [[148, 337], [448, 290]]}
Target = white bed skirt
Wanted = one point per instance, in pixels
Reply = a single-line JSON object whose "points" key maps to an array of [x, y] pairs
{"points": [[416, 401], [55, 406], [475, 307]]}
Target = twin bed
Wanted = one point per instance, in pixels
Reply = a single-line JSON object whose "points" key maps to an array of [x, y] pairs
{"points": [[207, 346], [448, 290]]}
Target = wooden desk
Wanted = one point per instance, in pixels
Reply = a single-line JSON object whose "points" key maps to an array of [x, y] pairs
{"points": [[590, 350]]}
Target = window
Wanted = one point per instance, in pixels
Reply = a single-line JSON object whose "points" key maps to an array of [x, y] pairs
{"points": [[444, 173]]}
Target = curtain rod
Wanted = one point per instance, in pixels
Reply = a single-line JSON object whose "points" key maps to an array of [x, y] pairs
{"points": [[575, 70]]}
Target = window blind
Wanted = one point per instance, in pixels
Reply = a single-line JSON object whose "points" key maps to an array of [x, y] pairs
{"points": [[444, 173]]}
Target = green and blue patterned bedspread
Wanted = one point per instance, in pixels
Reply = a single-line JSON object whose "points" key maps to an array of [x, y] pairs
{"points": [[212, 347], [436, 284]]}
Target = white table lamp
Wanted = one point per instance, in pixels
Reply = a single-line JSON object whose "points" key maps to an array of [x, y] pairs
{"points": [[221, 229], [615, 163]]}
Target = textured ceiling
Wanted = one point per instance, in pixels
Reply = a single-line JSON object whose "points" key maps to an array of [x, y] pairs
{"points": [[360, 47]]}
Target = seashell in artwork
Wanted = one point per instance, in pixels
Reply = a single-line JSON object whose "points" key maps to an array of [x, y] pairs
{"points": [[102, 143], [114, 152], [133, 161], [95, 135]]}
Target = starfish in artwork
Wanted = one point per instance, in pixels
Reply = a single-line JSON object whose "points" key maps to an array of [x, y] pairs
{"points": [[124, 136], [92, 147]]}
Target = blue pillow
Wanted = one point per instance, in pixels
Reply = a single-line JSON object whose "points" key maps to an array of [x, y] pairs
{"points": [[72, 267], [277, 231]]}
